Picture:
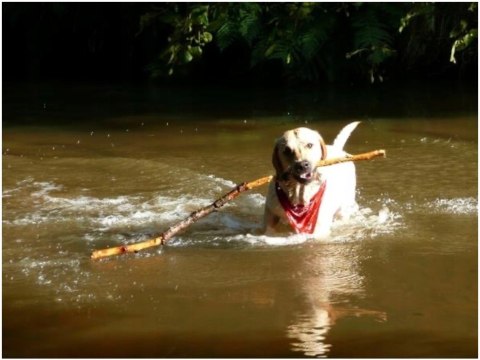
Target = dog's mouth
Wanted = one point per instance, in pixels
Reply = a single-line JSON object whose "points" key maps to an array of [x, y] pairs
{"points": [[304, 178], [302, 171]]}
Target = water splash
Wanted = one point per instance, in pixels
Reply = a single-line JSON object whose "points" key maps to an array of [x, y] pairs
{"points": [[239, 221], [127, 218], [457, 206]]}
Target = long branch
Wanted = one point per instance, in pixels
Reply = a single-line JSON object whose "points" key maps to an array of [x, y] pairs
{"points": [[358, 157], [193, 217], [220, 202]]}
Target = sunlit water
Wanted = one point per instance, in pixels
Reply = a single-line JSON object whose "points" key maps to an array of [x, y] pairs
{"points": [[397, 279]]}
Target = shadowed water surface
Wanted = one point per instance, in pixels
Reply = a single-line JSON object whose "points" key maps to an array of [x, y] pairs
{"points": [[398, 279]]}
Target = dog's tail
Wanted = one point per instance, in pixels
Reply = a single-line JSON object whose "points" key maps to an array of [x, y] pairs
{"points": [[344, 134]]}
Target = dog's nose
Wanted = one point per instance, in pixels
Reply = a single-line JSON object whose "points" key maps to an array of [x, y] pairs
{"points": [[302, 166]]}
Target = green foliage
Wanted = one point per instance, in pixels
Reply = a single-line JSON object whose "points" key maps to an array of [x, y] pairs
{"points": [[463, 34], [373, 37], [436, 30], [424, 10], [315, 41], [291, 34], [239, 23], [463, 42], [187, 39], [306, 42]]}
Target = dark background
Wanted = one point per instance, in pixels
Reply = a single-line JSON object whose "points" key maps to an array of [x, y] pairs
{"points": [[106, 42]]}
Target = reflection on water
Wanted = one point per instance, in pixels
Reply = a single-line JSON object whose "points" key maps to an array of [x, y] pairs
{"points": [[310, 333], [337, 278], [385, 277]]}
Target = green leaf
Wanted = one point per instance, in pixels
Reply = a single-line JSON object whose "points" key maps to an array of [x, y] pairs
{"points": [[207, 37], [187, 56], [288, 59], [462, 44], [227, 34], [196, 51], [270, 50]]}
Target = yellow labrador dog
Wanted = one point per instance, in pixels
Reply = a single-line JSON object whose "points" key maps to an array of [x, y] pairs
{"points": [[303, 197]]}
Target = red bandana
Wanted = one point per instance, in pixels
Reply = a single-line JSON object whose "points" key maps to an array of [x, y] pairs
{"points": [[302, 218]]}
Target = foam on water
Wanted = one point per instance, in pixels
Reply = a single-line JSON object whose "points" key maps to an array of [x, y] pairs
{"points": [[132, 218], [238, 221], [457, 206], [363, 224], [44, 188]]}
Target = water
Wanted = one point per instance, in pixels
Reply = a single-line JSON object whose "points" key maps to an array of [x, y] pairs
{"points": [[398, 279]]}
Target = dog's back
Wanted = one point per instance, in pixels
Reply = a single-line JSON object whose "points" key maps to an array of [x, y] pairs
{"points": [[341, 178]]}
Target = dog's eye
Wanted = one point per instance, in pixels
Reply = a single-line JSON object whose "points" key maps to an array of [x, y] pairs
{"points": [[288, 151], [309, 145]]}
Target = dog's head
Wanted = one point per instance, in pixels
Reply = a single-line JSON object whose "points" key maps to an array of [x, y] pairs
{"points": [[297, 153]]}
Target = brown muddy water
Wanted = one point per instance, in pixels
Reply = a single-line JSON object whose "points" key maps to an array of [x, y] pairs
{"points": [[399, 279]]}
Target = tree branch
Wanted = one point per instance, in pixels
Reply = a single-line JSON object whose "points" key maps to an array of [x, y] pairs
{"points": [[217, 204]]}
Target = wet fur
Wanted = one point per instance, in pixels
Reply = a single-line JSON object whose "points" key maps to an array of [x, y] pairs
{"points": [[306, 145]]}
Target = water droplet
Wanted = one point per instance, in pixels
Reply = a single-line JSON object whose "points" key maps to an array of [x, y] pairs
{"points": [[383, 215]]}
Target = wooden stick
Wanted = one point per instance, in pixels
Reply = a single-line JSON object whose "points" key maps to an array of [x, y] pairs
{"points": [[358, 157], [193, 217], [197, 215]]}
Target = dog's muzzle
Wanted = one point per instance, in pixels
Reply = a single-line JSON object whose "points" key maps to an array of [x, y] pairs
{"points": [[302, 171]]}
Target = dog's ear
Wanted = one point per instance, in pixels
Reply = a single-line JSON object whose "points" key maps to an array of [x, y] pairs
{"points": [[323, 146], [277, 163]]}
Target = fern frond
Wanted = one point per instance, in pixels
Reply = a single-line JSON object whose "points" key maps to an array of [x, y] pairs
{"points": [[370, 31], [281, 50], [309, 44], [250, 27], [227, 34]]}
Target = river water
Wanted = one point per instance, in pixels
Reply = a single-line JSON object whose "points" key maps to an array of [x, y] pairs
{"points": [[85, 169]]}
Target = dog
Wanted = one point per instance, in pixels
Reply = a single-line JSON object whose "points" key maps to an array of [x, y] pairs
{"points": [[303, 197]]}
